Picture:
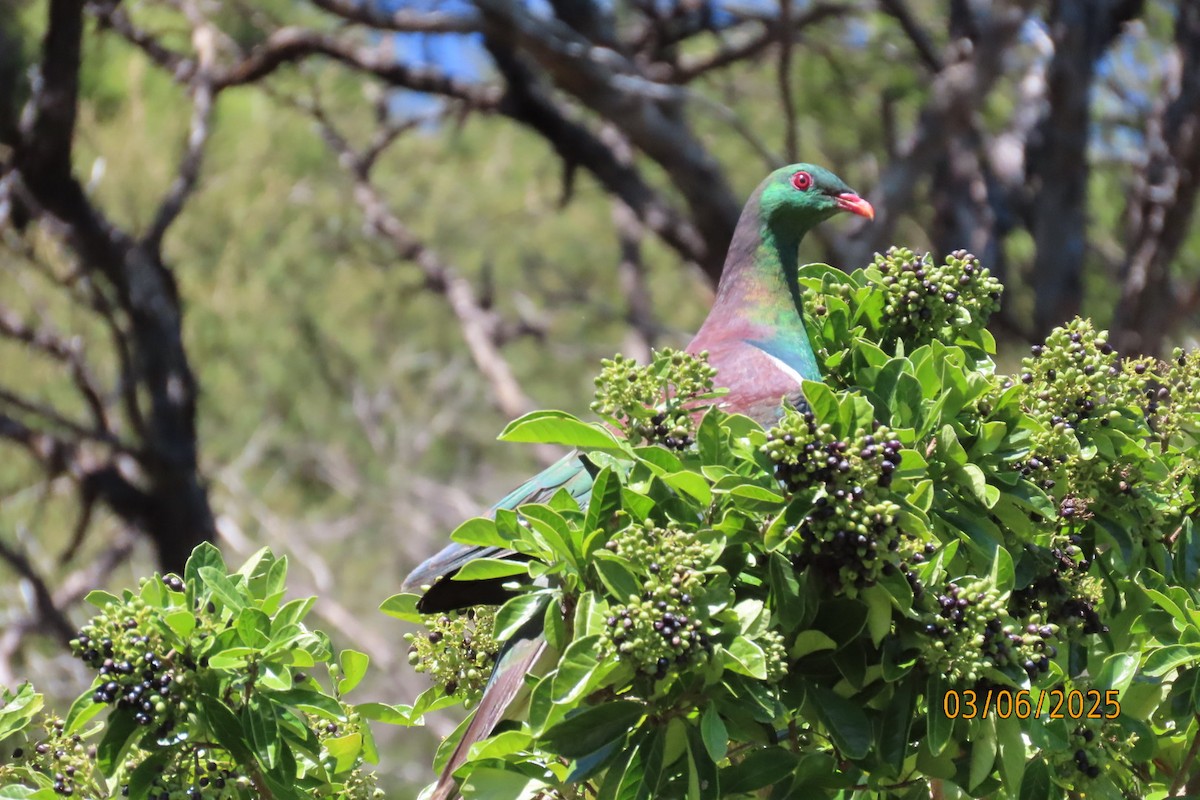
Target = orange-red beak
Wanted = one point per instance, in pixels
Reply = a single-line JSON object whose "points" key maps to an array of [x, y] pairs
{"points": [[849, 201]]}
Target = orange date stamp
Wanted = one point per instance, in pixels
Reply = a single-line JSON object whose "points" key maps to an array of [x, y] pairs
{"points": [[1024, 704]]}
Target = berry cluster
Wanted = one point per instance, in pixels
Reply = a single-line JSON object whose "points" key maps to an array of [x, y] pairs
{"points": [[664, 626], [1072, 380], [1168, 392], [137, 670], [1066, 594], [925, 301], [776, 654], [852, 526], [655, 403], [457, 650], [1085, 738], [806, 454], [912, 552], [972, 633], [1091, 749], [198, 775], [359, 784], [62, 758]]}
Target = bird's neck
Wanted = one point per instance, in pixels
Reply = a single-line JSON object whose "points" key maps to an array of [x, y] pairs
{"points": [[760, 299]]}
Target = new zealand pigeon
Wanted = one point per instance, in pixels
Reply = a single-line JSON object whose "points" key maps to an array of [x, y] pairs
{"points": [[755, 337]]}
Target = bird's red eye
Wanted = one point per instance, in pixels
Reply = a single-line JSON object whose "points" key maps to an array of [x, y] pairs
{"points": [[802, 181]]}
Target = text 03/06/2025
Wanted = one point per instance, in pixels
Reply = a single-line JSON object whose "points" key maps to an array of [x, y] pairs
{"points": [[1023, 704]]}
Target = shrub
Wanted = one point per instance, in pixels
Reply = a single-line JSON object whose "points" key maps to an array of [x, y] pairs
{"points": [[927, 571]]}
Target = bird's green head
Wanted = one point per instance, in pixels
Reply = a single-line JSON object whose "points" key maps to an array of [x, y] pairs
{"points": [[802, 195]]}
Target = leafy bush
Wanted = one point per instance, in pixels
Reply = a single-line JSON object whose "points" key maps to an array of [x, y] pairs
{"points": [[208, 687], [931, 572]]}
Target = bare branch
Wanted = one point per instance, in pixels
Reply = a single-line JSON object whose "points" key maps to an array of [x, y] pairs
{"points": [[479, 325], [752, 38], [52, 607], [920, 38], [203, 96], [50, 343], [174, 509], [791, 136], [527, 102], [955, 94], [45, 609], [1164, 198], [649, 113], [291, 45], [176, 64], [402, 20]]}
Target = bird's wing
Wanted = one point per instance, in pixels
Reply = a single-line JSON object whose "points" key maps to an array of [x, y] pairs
{"points": [[571, 473]]}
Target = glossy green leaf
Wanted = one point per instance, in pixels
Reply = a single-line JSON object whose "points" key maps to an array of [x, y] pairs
{"points": [[556, 427], [354, 668], [591, 728], [846, 722]]}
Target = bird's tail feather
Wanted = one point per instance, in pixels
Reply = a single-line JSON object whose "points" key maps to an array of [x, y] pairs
{"points": [[507, 684]]}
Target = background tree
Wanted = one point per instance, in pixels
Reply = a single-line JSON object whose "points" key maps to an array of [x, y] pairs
{"points": [[277, 272]]}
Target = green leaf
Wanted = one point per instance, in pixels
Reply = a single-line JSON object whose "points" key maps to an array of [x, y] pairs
{"points": [[261, 728], [119, 731], [20, 707], [482, 569], [14, 792], [1003, 575], [747, 658], [100, 598], [811, 641], [894, 726], [83, 710], [311, 701], [222, 588], [1011, 743], [225, 728], [381, 712], [591, 728], [983, 749], [785, 590], [1036, 783], [757, 494], [576, 668], [205, 555], [879, 612], [354, 667], [821, 400], [557, 427], [553, 529], [939, 726], [493, 783], [253, 626], [922, 495], [403, 606], [692, 484], [848, 726], [605, 501], [616, 573], [1118, 672], [1165, 659], [517, 611], [147, 772], [480, 532], [764, 766], [345, 751], [674, 741], [232, 657], [714, 733], [181, 623]]}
